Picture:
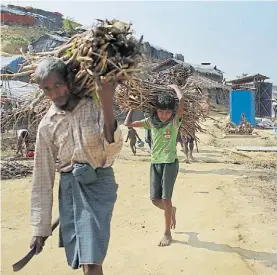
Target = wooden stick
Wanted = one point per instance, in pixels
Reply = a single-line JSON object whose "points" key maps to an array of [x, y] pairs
{"points": [[17, 74]]}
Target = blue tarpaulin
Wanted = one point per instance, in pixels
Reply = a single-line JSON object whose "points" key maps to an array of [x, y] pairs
{"points": [[11, 63]]}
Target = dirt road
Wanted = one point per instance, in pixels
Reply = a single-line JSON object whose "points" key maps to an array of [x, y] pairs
{"points": [[226, 222]]}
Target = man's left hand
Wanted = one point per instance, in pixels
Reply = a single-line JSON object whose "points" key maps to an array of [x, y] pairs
{"points": [[106, 91]]}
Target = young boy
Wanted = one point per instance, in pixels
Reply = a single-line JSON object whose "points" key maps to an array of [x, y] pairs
{"points": [[133, 135], [164, 125]]}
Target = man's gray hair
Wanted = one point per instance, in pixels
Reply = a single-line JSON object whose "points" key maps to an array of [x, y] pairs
{"points": [[50, 65]]}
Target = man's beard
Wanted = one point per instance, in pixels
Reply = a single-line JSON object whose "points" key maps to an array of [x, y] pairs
{"points": [[70, 104]]}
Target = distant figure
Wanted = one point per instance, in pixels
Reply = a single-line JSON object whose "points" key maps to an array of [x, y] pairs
{"points": [[22, 139], [187, 143], [133, 135], [275, 110], [30, 48]]}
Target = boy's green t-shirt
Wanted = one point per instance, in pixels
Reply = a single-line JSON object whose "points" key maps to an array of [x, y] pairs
{"points": [[163, 140]]}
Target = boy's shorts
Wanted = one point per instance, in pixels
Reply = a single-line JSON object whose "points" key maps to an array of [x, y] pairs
{"points": [[162, 180]]}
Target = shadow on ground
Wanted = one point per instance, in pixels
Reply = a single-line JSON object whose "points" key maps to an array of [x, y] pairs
{"points": [[269, 259]]}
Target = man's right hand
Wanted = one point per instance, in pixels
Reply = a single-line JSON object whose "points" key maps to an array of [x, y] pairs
{"points": [[38, 243]]}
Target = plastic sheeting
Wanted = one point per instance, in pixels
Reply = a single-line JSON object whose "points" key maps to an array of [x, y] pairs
{"points": [[17, 89], [11, 63]]}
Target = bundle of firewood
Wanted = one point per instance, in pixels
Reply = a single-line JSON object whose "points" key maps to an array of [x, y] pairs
{"points": [[141, 95], [107, 50], [12, 170], [142, 92]]}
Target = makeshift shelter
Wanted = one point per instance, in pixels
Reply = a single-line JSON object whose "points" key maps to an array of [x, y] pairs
{"points": [[262, 90], [48, 42], [11, 64], [208, 77], [18, 89], [209, 71]]}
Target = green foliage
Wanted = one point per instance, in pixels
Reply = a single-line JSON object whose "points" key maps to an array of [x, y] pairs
{"points": [[72, 22], [67, 25], [18, 40]]}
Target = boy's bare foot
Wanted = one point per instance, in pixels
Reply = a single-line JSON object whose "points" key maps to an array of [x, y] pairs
{"points": [[173, 218], [166, 240], [187, 161]]}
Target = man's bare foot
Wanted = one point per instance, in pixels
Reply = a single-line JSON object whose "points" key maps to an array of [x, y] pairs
{"points": [[173, 218], [187, 161], [166, 240]]}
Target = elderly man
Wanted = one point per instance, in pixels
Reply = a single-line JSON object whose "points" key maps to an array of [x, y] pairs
{"points": [[87, 139]]}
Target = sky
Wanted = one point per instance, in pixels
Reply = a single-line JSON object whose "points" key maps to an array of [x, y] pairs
{"points": [[237, 37]]}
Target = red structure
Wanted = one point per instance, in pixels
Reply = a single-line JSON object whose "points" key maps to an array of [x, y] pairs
{"points": [[15, 18]]}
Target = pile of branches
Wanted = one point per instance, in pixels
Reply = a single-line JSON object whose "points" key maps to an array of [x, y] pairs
{"points": [[12, 170], [17, 118], [141, 95], [106, 50]]}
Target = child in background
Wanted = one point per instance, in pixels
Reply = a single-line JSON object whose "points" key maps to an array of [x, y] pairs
{"points": [[133, 135]]}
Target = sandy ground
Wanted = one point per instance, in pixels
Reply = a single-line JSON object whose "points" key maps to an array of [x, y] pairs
{"points": [[226, 217]]}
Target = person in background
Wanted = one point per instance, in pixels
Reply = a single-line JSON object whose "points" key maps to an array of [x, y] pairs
{"points": [[133, 135], [30, 48], [275, 108], [187, 143], [164, 125], [22, 141]]}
